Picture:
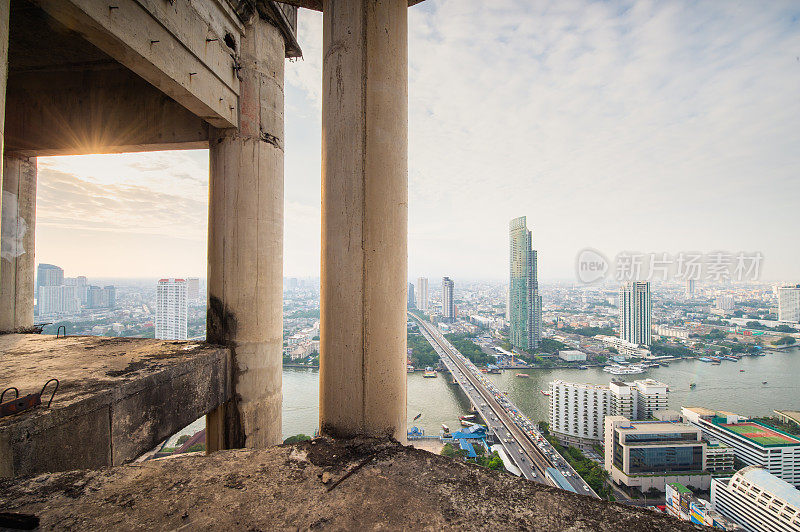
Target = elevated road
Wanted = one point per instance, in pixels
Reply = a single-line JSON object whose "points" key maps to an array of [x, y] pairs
{"points": [[520, 438]]}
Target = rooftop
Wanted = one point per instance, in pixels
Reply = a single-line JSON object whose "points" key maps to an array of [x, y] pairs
{"points": [[768, 482], [324, 483], [757, 432]]}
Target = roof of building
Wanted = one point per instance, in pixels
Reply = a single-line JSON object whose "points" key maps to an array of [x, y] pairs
{"points": [[768, 482], [756, 432], [701, 411], [680, 488]]}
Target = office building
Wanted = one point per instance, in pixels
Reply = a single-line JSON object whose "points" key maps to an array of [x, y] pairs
{"points": [[525, 303], [652, 454], [411, 299], [635, 310], [193, 288], [789, 304], [725, 303], [577, 410], [448, 304], [680, 502], [719, 458], [572, 355], [47, 275], [422, 293], [171, 309], [58, 300], [757, 501], [753, 443], [94, 297]]}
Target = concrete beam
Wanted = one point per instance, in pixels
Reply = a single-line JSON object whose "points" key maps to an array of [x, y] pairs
{"points": [[117, 399], [168, 44], [364, 218], [245, 247], [316, 5], [17, 230], [110, 110]]}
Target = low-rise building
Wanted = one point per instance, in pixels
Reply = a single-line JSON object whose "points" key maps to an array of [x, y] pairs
{"points": [[652, 454], [757, 500], [671, 332], [572, 355], [680, 502], [753, 443], [719, 458]]}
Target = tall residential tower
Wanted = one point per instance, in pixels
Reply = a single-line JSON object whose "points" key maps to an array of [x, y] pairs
{"points": [[422, 293], [525, 303], [448, 305], [635, 308], [171, 310]]}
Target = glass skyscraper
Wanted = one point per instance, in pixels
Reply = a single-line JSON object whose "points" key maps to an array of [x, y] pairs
{"points": [[524, 301]]}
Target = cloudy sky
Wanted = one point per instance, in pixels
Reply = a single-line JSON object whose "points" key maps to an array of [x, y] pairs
{"points": [[646, 126]]}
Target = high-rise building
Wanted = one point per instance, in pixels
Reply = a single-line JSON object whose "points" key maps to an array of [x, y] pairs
{"points": [[110, 296], [635, 309], [411, 299], [47, 275], [690, 287], [58, 300], [448, 304], [422, 293], [789, 304], [577, 410], [525, 303], [757, 501], [193, 288], [171, 309], [649, 454], [753, 443], [725, 303]]}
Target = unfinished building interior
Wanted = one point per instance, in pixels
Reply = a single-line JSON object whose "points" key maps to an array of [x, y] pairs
{"points": [[106, 76]]}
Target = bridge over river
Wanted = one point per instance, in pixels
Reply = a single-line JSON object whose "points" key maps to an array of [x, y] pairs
{"points": [[520, 438]]}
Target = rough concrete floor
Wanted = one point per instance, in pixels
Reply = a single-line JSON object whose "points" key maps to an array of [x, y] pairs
{"points": [[342, 485]]}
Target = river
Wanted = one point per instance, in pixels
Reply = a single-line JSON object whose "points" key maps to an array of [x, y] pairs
{"points": [[721, 387]]}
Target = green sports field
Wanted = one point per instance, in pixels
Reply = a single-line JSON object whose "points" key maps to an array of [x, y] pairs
{"points": [[759, 434]]}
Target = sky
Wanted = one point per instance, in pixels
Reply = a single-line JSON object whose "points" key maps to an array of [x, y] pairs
{"points": [[619, 126]]}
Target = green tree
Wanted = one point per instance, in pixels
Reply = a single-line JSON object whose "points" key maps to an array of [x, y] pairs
{"points": [[297, 438]]}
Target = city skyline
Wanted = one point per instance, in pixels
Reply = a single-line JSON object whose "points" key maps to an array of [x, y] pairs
{"points": [[656, 105]]}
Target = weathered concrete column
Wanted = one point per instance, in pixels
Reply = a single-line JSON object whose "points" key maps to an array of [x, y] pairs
{"points": [[5, 12], [17, 244], [364, 218], [245, 247]]}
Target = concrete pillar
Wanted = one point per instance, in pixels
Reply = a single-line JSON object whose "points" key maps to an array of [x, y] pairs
{"points": [[5, 11], [245, 247], [17, 244], [364, 218]]}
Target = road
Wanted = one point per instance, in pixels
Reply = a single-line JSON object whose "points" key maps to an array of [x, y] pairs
{"points": [[522, 441]]}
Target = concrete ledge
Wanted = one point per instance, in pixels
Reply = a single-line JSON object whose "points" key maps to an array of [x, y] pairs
{"points": [[340, 485], [118, 398]]}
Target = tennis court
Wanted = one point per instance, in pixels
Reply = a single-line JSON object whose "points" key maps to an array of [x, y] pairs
{"points": [[760, 434]]}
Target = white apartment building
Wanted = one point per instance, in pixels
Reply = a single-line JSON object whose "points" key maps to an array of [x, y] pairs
{"points": [[171, 309], [757, 501], [448, 303], [58, 300], [577, 410], [193, 288], [725, 303], [635, 310], [752, 442], [422, 293], [789, 304], [671, 332], [624, 347]]}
